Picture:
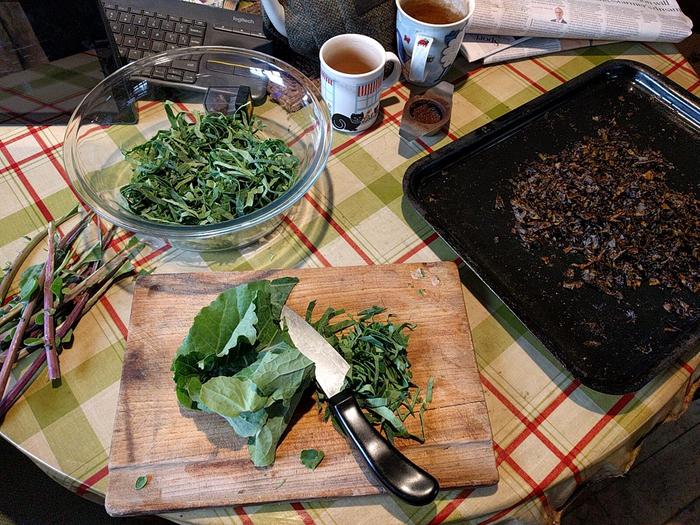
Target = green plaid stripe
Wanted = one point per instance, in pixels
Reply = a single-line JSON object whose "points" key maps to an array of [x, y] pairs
{"points": [[549, 432]]}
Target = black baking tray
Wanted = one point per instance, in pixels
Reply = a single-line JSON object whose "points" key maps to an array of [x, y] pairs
{"points": [[455, 190]]}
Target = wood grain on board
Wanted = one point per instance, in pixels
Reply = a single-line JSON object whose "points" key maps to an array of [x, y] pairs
{"points": [[195, 460]]}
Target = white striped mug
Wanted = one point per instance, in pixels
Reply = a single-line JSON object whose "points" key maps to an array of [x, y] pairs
{"points": [[352, 79]]}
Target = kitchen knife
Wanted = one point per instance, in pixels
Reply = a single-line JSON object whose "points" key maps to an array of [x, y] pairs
{"points": [[406, 480]]}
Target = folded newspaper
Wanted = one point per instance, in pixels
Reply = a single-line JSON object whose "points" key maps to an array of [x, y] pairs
{"points": [[501, 30]]}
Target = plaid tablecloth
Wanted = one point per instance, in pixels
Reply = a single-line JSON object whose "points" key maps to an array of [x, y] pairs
{"points": [[551, 434]]}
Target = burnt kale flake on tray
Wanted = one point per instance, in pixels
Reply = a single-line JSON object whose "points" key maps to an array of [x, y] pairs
{"points": [[606, 203]]}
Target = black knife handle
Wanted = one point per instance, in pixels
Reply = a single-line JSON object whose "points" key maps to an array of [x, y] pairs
{"points": [[406, 480]]}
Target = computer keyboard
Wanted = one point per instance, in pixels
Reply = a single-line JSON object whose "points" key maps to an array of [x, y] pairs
{"points": [[142, 33]]}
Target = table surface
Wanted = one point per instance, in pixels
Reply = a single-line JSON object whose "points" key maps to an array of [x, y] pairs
{"points": [[550, 432]]}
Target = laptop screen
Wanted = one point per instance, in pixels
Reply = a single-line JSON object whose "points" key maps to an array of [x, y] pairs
{"points": [[51, 55]]}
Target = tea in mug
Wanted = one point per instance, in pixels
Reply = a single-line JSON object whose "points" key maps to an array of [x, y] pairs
{"points": [[350, 61], [432, 11]]}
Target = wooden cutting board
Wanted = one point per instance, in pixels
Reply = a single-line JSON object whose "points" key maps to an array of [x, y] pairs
{"points": [[195, 460]]}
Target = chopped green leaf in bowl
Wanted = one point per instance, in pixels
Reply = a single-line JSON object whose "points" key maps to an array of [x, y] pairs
{"points": [[207, 168]]}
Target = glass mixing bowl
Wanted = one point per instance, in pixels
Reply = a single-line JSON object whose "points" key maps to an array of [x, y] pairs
{"points": [[127, 108]]}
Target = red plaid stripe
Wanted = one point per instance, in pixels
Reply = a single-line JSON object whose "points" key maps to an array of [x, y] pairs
{"points": [[619, 405], [685, 366], [410, 253], [89, 482], [575, 451], [522, 75], [470, 74], [498, 515], [451, 507], [306, 241], [49, 151], [675, 66], [301, 511], [330, 220], [30, 158], [682, 64], [549, 70], [14, 166], [107, 305], [22, 135], [537, 489], [119, 238], [139, 263], [532, 427], [41, 103], [302, 134], [241, 513]]}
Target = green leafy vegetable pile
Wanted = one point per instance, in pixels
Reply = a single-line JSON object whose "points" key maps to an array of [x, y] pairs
{"points": [[237, 362], [211, 170], [380, 373]]}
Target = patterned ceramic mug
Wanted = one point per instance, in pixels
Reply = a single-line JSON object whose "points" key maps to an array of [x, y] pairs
{"points": [[427, 50], [352, 78]]}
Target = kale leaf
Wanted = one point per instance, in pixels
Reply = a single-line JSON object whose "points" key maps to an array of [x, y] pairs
{"points": [[237, 362], [310, 458]]}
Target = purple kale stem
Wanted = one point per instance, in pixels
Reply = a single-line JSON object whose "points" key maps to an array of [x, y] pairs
{"points": [[99, 275], [49, 329], [13, 350], [108, 237], [79, 308], [80, 305], [16, 391], [19, 386], [10, 314], [12, 272], [69, 238], [73, 316]]}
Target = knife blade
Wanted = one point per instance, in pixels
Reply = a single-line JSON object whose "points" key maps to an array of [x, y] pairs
{"points": [[402, 477], [331, 368]]}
